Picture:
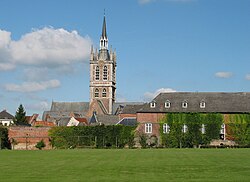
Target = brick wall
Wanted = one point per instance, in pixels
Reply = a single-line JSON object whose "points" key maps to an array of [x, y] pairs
{"points": [[25, 138], [154, 118]]}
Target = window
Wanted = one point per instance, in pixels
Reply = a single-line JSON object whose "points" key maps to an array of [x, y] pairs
{"points": [[97, 73], [184, 104], [96, 92], [223, 132], [167, 104], [203, 130], [105, 73], [166, 128], [202, 104], [148, 128], [184, 128], [104, 93], [152, 104]]}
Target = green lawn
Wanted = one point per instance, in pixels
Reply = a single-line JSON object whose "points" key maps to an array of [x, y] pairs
{"points": [[126, 165]]}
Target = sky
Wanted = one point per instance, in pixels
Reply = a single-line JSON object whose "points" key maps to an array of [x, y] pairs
{"points": [[161, 45]]}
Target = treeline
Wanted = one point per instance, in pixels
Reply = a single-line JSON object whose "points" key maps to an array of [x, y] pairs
{"points": [[115, 136]]}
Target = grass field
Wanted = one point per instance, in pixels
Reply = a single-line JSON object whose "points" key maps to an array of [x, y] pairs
{"points": [[126, 165]]}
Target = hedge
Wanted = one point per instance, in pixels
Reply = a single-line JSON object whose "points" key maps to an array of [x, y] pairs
{"points": [[114, 136]]}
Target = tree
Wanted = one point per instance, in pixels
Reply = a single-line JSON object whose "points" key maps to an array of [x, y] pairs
{"points": [[20, 117]]}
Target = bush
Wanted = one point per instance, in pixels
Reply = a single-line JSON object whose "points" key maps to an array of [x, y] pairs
{"points": [[40, 145]]}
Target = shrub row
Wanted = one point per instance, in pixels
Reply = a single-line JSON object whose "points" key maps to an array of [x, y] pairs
{"points": [[115, 136]]}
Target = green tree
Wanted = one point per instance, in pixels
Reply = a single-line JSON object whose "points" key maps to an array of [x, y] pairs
{"points": [[20, 117]]}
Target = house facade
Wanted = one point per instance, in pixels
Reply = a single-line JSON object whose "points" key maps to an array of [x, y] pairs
{"points": [[6, 119], [151, 114]]}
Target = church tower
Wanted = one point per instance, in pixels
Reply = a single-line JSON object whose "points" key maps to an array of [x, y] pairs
{"points": [[102, 76]]}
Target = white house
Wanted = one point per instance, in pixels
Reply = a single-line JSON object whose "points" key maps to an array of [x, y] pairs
{"points": [[6, 119]]}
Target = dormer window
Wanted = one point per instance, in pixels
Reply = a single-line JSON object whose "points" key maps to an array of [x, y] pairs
{"points": [[153, 104], [184, 104], [202, 104], [167, 104]]}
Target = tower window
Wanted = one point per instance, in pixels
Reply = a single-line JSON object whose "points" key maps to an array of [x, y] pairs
{"points": [[104, 93], [97, 73], [96, 92], [105, 73]]}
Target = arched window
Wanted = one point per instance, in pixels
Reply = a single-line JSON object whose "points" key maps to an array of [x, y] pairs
{"points": [[97, 73], [105, 73], [96, 92], [104, 93]]}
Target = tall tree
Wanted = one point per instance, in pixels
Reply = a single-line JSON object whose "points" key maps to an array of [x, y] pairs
{"points": [[20, 117]]}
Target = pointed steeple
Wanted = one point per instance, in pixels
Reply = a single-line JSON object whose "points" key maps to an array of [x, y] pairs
{"points": [[104, 37], [104, 31]]}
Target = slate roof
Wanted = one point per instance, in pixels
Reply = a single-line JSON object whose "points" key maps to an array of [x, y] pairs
{"points": [[55, 115], [5, 115], [131, 109], [128, 122], [70, 106], [221, 102], [105, 119], [119, 106]]}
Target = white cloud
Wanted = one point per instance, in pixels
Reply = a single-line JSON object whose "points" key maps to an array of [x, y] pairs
{"points": [[32, 86], [248, 76], [224, 74], [149, 95], [49, 47]]}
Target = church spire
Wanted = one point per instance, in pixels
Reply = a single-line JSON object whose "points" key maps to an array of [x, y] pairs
{"points": [[104, 37], [104, 31]]}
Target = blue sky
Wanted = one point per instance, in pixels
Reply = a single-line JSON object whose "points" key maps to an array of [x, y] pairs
{"points": [[162, 45]]}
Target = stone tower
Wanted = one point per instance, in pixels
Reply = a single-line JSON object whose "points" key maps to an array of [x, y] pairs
{"points": [[102, 76]]}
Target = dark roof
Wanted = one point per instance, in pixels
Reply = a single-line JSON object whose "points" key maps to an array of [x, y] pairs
{"points": [[128, 122], [119, 106], [131, 109], [105, 119], [55, 115], [5, 115], [70, 106], [221, 102]]}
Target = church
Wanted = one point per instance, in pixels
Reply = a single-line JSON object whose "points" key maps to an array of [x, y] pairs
{"points": [[102, 107]]}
